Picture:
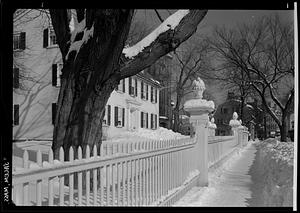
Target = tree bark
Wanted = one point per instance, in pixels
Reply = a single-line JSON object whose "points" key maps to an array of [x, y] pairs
{"points": [[88, 81]]}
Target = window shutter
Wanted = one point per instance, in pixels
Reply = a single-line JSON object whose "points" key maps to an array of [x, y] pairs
{"points": [[129, 86], [142, 114], [53, 112], [116, 116], [151, 121], [123, 116], [45, 40], [136, 93], [147, 120], [147, 92], [16, 114], [123, 85], [108, 115], [151, 93], [142, 88], [16, 78], [22, 40], [54, 74]]}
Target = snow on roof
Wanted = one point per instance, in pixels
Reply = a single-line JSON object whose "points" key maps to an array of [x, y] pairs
{"points": [[170, 23]]}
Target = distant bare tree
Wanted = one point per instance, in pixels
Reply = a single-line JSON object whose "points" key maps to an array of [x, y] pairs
{"points": [[190, 62], [263, 52]]}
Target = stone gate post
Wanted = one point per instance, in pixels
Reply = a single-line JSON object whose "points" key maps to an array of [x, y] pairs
{"points": [[199, 110]]}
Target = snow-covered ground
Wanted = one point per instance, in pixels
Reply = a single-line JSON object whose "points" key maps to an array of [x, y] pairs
{"points": [[276, 161], [146, 134], [259, 175], [141, 135]]}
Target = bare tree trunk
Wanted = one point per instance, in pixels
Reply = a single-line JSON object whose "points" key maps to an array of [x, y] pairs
{"points": [[283, 127], [88, 81]]}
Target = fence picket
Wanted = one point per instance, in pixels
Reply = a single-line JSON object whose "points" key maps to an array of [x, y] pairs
{"points": [[39, 182], [113, 183], [87, 177], [118, 184], [61, 178], [132, 182], [71, 178], [25, 185], [79, 183], [95, 177], [50, 180]]}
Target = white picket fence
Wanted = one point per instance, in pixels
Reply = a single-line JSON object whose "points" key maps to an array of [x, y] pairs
{"points": [[140, 173], [124, 174]]}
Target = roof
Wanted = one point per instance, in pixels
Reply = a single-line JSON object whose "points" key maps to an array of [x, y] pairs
{"points": [[146, 76]]}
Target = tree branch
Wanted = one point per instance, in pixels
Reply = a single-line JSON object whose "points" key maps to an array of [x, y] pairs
{"points": [[59, 18], [160, 18], [163, 44]]}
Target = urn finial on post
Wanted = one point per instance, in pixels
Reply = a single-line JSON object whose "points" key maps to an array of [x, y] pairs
{"points": [[199, 110]]}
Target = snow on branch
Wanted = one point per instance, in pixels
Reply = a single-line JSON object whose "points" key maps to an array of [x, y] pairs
{"points": [[170, 23], [87, 34]]}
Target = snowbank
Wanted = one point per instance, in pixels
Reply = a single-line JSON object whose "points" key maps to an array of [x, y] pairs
{"points": [[276, 167], [145, 134]]}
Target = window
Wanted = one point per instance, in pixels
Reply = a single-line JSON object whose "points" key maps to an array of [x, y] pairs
{"points": [[49, 38], [107, 112], [16, 114], [19, 41], [144, 120], [56, 74], [16, 78], [121, 86], [132, 87], [53, 113], [155, 95], [292, 124], [144, 90], [153, 121], [119, 116]]}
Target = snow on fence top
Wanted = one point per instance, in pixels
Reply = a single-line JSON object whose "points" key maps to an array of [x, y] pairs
{"points": [[170, 23]]}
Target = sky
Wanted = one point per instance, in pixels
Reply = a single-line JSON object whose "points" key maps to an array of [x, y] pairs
{"points": [[220, 18]]}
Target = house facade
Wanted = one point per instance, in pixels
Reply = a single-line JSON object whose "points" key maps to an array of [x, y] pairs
{"points": [[36, 75]]}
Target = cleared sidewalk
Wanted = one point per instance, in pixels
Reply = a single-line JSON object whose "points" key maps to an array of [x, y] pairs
{"points": [[235, 184]]}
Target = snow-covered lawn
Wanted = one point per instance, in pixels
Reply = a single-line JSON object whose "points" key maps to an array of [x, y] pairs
{"points": [[147, 134]]}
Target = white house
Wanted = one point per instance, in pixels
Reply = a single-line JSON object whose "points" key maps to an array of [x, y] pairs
{"points": [[36, 71]]}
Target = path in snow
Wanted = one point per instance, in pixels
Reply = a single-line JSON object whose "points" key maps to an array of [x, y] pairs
{"points": [[237, 184]]}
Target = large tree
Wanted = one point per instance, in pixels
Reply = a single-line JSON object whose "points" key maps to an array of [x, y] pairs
{"points": [[263, 52], [95, 60]]}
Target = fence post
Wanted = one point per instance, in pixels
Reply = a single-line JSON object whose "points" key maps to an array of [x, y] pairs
{"points": [[212, 127], [235, 124], [199, 110]]}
